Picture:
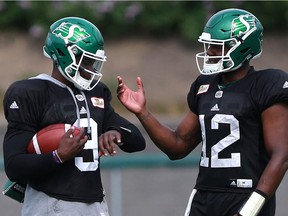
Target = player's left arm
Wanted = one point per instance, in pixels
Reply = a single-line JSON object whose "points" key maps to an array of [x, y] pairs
{"points": [[275, 128], [127, 137]]}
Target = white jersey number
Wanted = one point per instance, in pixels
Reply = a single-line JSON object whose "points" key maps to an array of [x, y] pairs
{"points": [[216, 162], [90, 144]]}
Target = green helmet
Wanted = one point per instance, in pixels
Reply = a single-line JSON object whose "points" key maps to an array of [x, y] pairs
{"points": [[239, 31], [72, 43]]}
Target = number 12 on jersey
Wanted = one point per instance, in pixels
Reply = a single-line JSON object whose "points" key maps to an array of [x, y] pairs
{"points": [[214, 160]]}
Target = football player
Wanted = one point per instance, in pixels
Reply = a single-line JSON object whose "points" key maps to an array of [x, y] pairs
{"points": [[67, 180], [239, 115]]}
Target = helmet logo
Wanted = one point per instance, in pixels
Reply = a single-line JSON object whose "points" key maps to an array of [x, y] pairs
{"points": [[70, 32], [242, 24]]}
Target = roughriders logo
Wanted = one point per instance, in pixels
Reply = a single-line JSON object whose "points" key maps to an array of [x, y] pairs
{"points": [[70, 32], [243, 24]]}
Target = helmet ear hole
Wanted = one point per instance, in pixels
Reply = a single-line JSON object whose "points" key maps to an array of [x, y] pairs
{"points": [[245, 50], [60, 52], [55, 60], [56, 63]]}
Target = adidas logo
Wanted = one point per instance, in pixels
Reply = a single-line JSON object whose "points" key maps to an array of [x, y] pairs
{"points": [[14, 105], [215, 108], [285, 84], [83, 110], [233, 184]]}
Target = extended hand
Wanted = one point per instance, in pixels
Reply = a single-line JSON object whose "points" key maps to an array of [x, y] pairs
{"points": [[133, 101]]}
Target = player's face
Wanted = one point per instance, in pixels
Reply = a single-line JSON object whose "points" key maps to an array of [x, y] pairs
{"points": [[86, 63], [215, 50]]}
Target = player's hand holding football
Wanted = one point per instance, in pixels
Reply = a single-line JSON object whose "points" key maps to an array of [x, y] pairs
{"points": [[108, 141], [70, 145]]}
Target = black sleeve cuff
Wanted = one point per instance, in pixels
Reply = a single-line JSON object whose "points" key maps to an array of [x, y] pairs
{"points": [[114, 127]]}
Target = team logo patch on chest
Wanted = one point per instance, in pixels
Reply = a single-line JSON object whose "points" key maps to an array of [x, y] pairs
{"points": [[97, 102], [203, 89]]}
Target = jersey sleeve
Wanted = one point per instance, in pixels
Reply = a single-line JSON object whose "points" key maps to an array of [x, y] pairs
{"points": [[271, 88], [192, 94], [21, 114], [21, 105]]}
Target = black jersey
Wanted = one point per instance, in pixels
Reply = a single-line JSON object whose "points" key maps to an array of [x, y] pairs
{"points": [[233, 152], [32, 104]]}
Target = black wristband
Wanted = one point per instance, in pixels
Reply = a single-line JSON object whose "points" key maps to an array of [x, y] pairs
{"points": [[262, 193]]}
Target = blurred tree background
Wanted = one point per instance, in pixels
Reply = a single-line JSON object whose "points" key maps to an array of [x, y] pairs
{"points": [[167, 63], [118, 19]]}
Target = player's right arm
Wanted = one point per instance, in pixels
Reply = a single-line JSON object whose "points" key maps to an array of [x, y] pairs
{"points": [[23, 109], [175, 143]]}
